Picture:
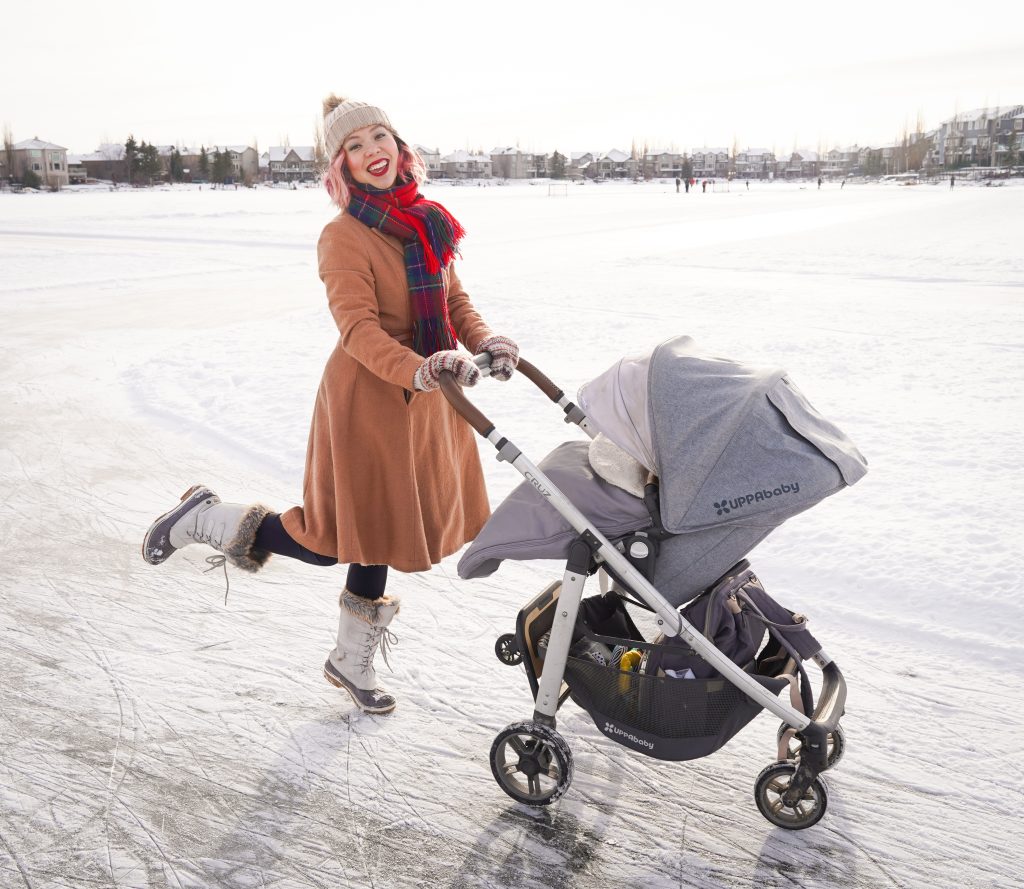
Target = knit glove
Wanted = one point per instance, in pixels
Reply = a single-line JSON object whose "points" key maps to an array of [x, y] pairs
{"points": [[504, 355], [428, 375]]}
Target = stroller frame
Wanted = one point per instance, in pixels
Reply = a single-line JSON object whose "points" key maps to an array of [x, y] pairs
{"points": [[814, 732]]}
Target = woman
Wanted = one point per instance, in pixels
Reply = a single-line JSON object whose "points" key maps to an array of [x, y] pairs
{"points": [[393, 475]]}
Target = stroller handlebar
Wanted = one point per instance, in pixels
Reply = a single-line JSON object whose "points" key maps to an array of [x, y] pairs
{"points": [[473, 415]]}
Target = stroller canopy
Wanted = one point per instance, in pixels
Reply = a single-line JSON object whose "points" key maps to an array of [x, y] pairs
{"points": [[730, 443], [737, 450]]}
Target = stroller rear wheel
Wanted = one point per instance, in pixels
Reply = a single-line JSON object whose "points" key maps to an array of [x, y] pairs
{"points": [[769, 792], [507, 650], [835, 741], [532, 763]]}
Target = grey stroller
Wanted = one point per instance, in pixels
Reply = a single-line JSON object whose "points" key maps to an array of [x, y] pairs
{"points": [[728, 452]]}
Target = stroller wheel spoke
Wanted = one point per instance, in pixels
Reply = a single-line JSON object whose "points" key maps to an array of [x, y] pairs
{"points": [[534, 782], [517, 744]]}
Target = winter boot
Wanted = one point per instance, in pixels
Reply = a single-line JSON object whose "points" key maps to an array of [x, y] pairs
{"points": [[362, 628], [202, 518]]}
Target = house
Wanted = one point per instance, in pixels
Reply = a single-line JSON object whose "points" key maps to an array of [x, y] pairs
{"points": [[540, 166], [709, 163], [981, 137], [617, 164], [581, 164], [47, 161], [660, 164], [107, 163], [464, 165], [755, 163], [802, 163], [77, 173], [511, 163], [288, 164], [431, 158]]}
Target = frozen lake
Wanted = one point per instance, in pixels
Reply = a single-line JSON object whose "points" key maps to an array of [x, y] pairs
{"points": [[154, 736]]}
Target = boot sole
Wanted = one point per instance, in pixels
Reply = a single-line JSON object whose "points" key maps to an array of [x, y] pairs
{"points": [[157, 555], [339, 684]]}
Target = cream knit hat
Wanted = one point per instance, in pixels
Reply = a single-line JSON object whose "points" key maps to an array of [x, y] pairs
{"points": [[348, 117]]}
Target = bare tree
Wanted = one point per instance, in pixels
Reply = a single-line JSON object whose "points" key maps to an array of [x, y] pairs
{"points": [[320, 158], [9, 148]]}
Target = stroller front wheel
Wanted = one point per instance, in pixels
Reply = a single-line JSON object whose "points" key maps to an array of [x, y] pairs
{"points": [[769, 792], [532, 763], [507, 650]]}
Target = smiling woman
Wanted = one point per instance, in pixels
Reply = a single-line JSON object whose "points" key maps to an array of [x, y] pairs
{"points": [[393, 476]]}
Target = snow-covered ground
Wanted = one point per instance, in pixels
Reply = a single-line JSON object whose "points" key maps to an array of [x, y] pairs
{"points": [[154, 736]]}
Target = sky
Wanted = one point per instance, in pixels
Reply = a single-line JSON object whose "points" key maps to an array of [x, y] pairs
{"points": [[577, 79]]}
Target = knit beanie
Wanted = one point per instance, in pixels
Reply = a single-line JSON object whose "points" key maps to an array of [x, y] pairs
{"points": [[348, 117]]}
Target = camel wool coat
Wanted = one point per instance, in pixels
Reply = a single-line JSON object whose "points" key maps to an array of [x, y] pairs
{"points": [[393, 475]]}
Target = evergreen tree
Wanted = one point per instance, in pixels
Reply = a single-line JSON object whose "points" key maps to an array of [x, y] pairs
{"points": [[148, 161], [557, 166], [204, 162], [131, 148], [176, 166], [687, 167]]}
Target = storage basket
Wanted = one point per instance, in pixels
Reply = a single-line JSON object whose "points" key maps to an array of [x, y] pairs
{"points": [[670, 719]]}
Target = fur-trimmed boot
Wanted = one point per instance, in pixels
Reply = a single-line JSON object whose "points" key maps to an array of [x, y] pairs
{"points": [[202, 518], [362, 629]]}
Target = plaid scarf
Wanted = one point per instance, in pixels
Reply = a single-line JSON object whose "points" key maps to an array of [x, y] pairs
{"points": [[430, 236]]}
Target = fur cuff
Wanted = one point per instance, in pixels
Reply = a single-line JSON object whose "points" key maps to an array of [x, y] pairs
{"points": [[375, 612], [242, 551]]}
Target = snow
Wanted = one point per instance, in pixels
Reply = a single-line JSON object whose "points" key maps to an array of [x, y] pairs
{"points": [[154, 736]]}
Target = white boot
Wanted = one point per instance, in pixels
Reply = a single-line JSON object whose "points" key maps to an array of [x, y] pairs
{"points": [[202, 518], [362, 627]]}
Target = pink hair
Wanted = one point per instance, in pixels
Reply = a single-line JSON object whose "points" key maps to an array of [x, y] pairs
{"points": [[337, 177]]}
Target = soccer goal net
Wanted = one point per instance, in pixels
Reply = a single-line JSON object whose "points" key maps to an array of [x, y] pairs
{"points": [[558, 190]]}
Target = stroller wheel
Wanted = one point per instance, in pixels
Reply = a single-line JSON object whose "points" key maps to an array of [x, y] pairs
{"points": [[769, 792], [835, 741], [507, 650], [531, 763]]}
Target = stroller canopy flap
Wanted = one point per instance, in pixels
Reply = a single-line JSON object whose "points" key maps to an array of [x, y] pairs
{"points": [[617, 403], [732, 444]]}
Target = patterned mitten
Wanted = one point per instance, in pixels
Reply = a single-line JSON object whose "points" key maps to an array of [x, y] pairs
{"points": [[428, 375], [504, 355]]}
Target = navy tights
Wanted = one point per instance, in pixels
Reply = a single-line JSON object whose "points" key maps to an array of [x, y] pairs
{"points": [[367, 581]]}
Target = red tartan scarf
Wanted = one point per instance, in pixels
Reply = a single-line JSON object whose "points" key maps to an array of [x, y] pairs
{"points": [[430, 236]]}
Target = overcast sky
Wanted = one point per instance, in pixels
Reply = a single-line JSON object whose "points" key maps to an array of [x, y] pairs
{"points": [[571, 77]]}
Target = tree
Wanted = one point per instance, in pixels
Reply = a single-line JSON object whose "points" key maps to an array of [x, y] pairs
{"points": [[557, 166], [204, 162], [319, 145], [1012, 150], [9, 150], [30, 179], [131, 148], [176, 168], [687, 167], [148, 161]]}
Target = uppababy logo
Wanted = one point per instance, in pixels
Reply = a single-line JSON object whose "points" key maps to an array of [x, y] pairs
{"points": [[610, 729], [727, 505]]}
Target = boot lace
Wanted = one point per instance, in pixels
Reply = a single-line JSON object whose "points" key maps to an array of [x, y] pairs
{"points": [[219, 561], [379, 637]]}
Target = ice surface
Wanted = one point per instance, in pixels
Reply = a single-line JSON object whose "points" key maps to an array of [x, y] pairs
{"points": [[152, 736]]}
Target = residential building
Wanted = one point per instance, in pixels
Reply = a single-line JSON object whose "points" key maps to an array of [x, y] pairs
{"points": [[464, 165], [981, 138], [431, 158], [581, 164], [755, 163], [288, 164], [617, 164], [48, 161], [511, 163], [661, 164], [540, 166], [106, 163], [710, 163], [77, 173]]}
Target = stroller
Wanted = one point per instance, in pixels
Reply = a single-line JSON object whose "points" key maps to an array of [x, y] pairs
{"points": [[732, 451]]}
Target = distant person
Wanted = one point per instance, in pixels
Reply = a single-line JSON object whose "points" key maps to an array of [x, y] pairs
{"points": [[952, 180], [842, 185], [748, 185], [678, 183], [686, 185], [703, 185], [819, 183], [393, 476]]}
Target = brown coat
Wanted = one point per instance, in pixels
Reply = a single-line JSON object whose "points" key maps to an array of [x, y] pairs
{"points": [[393, 477]]}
